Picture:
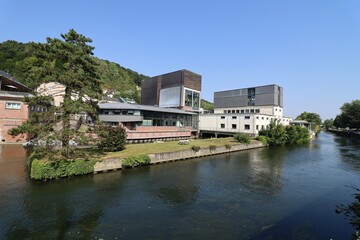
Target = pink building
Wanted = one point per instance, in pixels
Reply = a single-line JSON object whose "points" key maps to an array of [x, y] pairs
{"points": [[13, 111]]}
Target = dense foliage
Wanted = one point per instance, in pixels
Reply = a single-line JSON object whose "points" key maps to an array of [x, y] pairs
{"points": [[242, 138], [328, 123], [134, 161], [280, 135], [310, 117], [262, 139], [206, 105], [350, 115], [19, 58], [111, 139], [43, 170]]}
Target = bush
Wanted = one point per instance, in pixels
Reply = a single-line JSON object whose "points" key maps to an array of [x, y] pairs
{"points": [[112, 139], [43, 170], [262, 139], [228, 146], [134, 161], [212, 148], [195, 148], [242, 138]]}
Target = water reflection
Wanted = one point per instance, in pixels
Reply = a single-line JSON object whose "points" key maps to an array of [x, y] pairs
{"points": [[349, 149]]}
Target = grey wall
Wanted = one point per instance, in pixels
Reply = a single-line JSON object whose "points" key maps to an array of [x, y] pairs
{"points": [[270, 95]]}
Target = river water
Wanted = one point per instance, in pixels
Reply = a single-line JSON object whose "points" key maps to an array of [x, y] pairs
{"points": [[268, 193]]}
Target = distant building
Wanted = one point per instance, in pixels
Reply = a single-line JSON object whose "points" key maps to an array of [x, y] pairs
{"points": [[13, 111], [180, 89], [148, 123], [246, 110]]}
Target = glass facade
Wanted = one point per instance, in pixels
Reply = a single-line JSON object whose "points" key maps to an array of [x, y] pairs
{"points": [[192, 99]]}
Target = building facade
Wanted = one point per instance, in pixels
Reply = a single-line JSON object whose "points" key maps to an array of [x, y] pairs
{"points": [[180, 89], [13, 110], [148, 123], [246, 110]]}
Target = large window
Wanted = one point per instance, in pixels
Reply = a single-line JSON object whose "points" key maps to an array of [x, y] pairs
{"points": [[247, 127], [12, 105], [192, 99]]}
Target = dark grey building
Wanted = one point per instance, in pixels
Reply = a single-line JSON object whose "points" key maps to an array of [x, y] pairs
{"points": [[270, 95], [180, 89]]}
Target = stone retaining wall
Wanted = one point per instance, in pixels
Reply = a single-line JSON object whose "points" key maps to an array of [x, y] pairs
{"points": [[115, 164]]}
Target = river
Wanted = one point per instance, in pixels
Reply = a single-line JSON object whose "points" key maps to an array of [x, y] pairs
{"points": [[269, 193]]}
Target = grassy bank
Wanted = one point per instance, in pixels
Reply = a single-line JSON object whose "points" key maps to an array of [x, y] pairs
{"points": [[42, 169]]}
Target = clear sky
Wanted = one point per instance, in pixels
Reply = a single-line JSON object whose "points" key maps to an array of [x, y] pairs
{"points": [[309, 47]]}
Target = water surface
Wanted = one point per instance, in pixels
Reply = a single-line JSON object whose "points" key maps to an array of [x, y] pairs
{"points": [[268, 193]]}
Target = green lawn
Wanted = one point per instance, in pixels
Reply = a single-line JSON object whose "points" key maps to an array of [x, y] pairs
{"points": [[150, 148]]}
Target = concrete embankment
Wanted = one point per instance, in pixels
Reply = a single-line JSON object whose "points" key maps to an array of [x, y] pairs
{"points": [[115, 164]]}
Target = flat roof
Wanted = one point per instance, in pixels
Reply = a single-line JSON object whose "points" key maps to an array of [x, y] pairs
{"points": [[142, 108]]}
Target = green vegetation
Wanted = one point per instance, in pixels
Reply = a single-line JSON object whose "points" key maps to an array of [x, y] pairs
{"points": [[280, 135], [349, 116], [228, 146], [134, 161], [212, 148], [262, 139], [20, 60], [312, 118], [195, 148], [111, 139], [42, 170], [206, 105], [242, 138], [328, 123]]}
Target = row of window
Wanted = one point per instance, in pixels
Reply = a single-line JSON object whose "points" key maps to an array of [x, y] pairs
{"points": [[243, 111], [246, 126], [257, 117], [12, 105], [235, 117]]}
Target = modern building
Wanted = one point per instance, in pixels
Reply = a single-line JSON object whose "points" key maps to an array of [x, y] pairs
{"points": [[246, 110], [180, 89], [149, 123], [13, 110]]}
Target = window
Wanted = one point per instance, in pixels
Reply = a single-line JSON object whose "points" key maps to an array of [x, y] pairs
{"points": [[257, 117], [247, 127], [222, 117], [242, 111], [247, 117], [267, 118], [275, 109], [234, 117], [251, 96], [247, 111], [192, 99], [257, 110], [262, 127], [224, 111], [233, 111], [237, 111], [252, 110], [12, 105], [222, 125], [233, 126], [229, 111], [262, 118], [257, 127], [279, 109]]}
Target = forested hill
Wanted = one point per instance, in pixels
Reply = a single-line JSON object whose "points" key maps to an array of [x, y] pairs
{"points": [[17, 59]]}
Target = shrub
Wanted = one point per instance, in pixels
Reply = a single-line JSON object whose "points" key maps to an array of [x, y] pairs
{"points": [[242, 138], [111, 139], [195, 148], [134, 161], [212, 148], [43, 170], [228, 146], [262, 139]]}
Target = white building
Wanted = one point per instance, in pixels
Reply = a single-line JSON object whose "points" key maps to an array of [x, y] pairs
{"points": [[247, 110]]}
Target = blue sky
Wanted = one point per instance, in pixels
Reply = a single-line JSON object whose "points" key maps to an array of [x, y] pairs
{"points": [[311, 48]]}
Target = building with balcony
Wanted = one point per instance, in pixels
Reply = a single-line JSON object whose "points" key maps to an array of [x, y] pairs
{"points": [[148, 123], [180, 89], [13, 110]]}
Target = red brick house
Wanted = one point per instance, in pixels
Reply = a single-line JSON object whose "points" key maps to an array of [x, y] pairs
{"points": [[13, 111]]}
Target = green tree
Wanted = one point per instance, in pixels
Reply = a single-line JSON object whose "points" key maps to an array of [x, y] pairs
{"points": [[68, 61], [276, 134], [310, 117], [111, 139], [328, 123], [350, 115]]}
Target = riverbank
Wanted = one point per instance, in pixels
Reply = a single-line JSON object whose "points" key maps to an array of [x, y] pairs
{"points": [[157, 152], [345, 132]]}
